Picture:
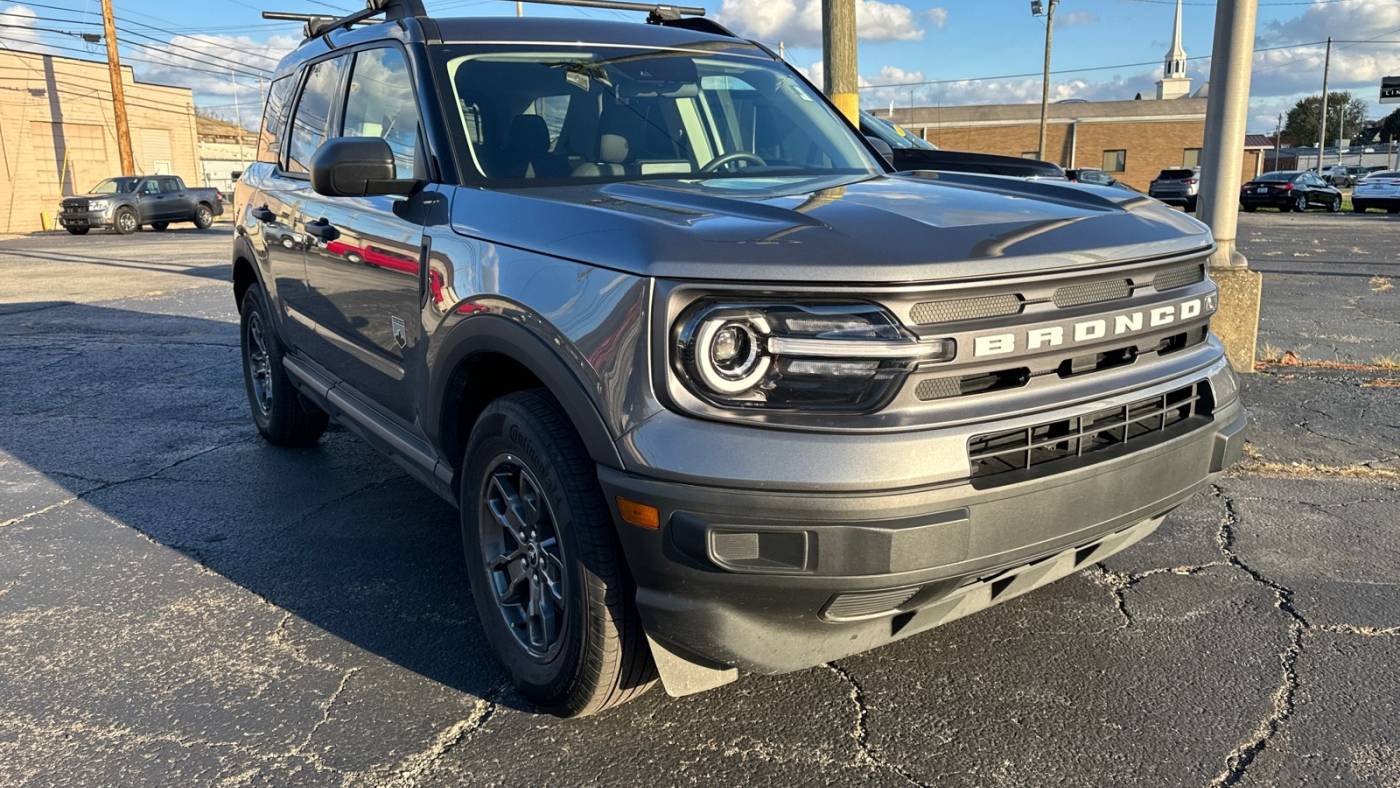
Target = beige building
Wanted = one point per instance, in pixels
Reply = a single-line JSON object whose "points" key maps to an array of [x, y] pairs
{"points": [[225, 151], [58, 136]]}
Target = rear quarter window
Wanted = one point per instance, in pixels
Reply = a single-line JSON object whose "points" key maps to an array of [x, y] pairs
{"points": [[274, 120]]}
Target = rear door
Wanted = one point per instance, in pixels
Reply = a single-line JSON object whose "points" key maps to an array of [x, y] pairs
{"points": [[363, 253], [176, 198]]}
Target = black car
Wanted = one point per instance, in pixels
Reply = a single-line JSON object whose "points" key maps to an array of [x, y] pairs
{"points": [[908, 152], [1290, 190]]}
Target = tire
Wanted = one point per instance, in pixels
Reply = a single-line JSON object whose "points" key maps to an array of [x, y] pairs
{"points": [[591, 653], [1358, 207], [125, 221], [160, 227], [281, 414], [1191, 206], [1250, 208], [1301, 203], [1392, 210], [1335, 206], [203, 216], [77, 230]]}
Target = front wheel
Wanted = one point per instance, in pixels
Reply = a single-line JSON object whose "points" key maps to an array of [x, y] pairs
{"points": [[1300, 203], [77, 230], [281, 414], [547, 572], [125, 221], [1335, 206], [203, 217]]}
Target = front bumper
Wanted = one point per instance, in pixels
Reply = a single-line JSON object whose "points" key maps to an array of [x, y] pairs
{"points": [[88, 219], [772, 582]]}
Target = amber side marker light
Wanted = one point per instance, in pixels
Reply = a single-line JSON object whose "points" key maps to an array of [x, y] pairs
{"points": [[639, 514]]}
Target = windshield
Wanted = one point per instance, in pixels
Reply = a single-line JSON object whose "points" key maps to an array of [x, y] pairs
{"points": [[892, 133], [116, 186], [551, 115]]}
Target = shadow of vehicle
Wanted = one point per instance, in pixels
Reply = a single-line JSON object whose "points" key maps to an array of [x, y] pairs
{"points": [[143, 416]]}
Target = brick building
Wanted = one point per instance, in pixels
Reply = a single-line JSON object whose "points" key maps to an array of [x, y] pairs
{"points": [[1132, 140], [58, 137]]}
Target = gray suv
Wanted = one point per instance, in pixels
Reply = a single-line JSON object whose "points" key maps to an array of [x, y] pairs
{"points": [[713, 389], [1177, 187]]}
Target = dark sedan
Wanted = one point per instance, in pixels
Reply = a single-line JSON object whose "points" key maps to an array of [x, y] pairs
{"points": [[1292, 190]]}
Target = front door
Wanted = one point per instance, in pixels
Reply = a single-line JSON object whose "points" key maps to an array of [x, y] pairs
{"points": [[152, 202], [363, 268]]}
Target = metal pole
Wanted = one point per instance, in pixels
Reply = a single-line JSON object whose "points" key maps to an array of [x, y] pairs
{"points": [[842, 75], [1045, 78], [114, 68], [1322, 122], [520, 9], [1227, 111], [1278, 142]]}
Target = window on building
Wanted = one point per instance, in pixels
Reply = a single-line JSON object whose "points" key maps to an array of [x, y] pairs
{"points": [[1191, 158], [1115, 160], [381, 104], [313, 113], [274, 117]]}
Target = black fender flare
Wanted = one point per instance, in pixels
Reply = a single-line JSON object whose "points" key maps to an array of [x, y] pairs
{"points": [[488, 333]]}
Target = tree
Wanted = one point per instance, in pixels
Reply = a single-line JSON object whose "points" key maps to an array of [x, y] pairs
{"points": [[1389, 128], [1345, 114]]}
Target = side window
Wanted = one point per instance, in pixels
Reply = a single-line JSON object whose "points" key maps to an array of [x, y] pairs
{"points": [[313, 113], [381, 104], [169, 185], [150, 187], [274, 115]]}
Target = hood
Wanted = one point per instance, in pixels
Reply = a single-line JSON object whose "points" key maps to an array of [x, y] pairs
{"points": [[89, 197], [915, 227]]}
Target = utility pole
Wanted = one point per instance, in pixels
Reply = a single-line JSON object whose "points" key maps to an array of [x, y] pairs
{"points": [[841, 76], [520, 9], [1278, 141], [114, 66], [1227, 110], [1045, 78], [1322, 122]]}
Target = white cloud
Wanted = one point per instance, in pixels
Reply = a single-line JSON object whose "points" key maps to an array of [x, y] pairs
{"points": [[938, 17], [798, 23], [215, 92], [18, 30], [1076, 18]]}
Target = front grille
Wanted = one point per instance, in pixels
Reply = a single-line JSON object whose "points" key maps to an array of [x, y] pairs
{"points": [[1093, 293], [1181, 276], [954, 310], [1140, 423], [75, 207]]}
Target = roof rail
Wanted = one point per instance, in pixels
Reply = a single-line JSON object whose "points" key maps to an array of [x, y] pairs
{"points": [[321, 24], [657, 14]]}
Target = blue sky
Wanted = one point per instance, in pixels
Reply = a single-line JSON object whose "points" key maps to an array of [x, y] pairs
{"points": [[902, 41]]}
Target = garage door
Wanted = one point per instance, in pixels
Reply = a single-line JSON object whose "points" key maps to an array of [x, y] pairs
{"points": [[155, 151]]}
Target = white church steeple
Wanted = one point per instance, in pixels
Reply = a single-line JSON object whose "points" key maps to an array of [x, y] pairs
{"points": [[1174, 82]]}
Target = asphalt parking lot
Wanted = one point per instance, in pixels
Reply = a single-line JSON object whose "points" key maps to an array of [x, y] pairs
{"points": [[182, 604]]}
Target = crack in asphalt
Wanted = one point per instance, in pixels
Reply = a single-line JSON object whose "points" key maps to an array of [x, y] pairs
{"points": [[1120, 583], [117, 483], [1239, 760], [860, 732], [412, 770]]}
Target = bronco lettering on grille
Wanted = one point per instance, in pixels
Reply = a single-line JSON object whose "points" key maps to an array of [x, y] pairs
{"points": [[1093, 329]]}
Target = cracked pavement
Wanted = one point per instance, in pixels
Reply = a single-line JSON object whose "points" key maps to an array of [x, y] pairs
{"points": [[181, 604]]}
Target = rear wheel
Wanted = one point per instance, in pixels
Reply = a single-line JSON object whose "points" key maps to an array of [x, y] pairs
{"points": [[160, 227], [1191, 205], [547, 573], [203, 217], [281, 414], [1358, 207], [1250, 208], [125, 221]]}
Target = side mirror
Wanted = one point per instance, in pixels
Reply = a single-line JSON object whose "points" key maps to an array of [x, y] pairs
{"points": [[356, 167], [881, 147]]}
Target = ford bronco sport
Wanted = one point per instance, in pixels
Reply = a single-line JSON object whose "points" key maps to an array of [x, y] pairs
{"points": [[713, 389]]}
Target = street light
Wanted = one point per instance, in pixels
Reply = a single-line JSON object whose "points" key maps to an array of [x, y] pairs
{"points": [[1039, 8]]}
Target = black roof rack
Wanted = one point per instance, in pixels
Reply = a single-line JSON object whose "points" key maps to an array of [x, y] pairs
{"points": [[680, 16], [320, 24]]}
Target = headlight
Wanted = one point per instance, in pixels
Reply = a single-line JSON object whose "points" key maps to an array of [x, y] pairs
{"points": [[785, 356], [99, 205]]}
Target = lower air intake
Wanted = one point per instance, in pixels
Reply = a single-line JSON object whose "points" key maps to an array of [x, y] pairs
{"points": [[868, 604], [1066, 441]]}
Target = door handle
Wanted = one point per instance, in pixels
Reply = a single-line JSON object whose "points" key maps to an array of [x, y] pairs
{"points": [[322, 230], [264, 215]]}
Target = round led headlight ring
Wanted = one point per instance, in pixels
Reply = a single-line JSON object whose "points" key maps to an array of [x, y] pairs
{"points": [[729, 357]]}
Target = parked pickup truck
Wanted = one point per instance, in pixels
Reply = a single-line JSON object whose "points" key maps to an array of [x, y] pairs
{"points": [[124, 204]]}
